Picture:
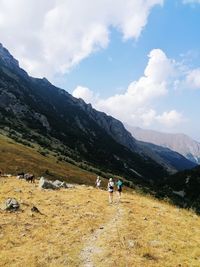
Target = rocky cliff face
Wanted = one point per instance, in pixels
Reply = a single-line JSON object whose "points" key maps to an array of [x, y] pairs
{"points": [[112, 126], [9, 62], [180, 143]]}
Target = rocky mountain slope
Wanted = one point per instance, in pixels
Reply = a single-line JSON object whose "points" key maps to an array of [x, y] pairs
{"points": [[34, 109], [180, 143], [170, 160]]}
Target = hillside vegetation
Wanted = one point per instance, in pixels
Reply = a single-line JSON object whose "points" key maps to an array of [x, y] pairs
{"points": [[77, 227], [15, 158]]}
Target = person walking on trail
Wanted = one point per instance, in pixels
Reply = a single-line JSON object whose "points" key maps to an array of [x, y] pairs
{"points": [[111, 190], [119, 188], [98, 182]]}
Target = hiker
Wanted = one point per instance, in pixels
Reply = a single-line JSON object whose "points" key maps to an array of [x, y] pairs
{"points": [[119, 188], [98, 182], [110, 190]]}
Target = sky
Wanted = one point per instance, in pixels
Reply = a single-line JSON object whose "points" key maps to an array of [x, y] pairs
{"points": [[137, 60]]}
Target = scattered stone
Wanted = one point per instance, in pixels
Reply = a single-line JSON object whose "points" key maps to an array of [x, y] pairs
{"points": [[35, 209], [11, 204], [46, 184], [70, 185], [60, 184], [145, 219], [131, 243]]}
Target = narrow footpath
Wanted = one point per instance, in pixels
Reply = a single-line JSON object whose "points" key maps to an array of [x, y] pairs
{"points": [[91, 247]]}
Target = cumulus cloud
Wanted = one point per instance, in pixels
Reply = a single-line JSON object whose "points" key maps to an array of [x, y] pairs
{"points": [[170, 119], [135, 105], [85, 93], [193, 79], [52, 36]]}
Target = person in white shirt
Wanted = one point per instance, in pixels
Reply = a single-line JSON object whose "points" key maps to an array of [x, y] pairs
{"points": [[110, 190], [98, 182]]}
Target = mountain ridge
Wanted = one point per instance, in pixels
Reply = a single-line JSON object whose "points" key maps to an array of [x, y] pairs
{"points": [[179, 142], [41, 111]]}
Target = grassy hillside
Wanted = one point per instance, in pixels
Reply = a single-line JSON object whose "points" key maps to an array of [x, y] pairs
{"points": [[78, 227], [15, 158]]}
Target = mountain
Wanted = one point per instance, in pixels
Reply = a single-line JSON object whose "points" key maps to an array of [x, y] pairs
{"points": [[170, 160], [33, 109], [180, 143], [186, 185]]}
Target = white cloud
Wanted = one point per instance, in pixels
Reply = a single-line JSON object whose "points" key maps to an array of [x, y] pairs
{"points": [[135, 105], [170, 119], [52, 36], [85, 93], [193, 79]]}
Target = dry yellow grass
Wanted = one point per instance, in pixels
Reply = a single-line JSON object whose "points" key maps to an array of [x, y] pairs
{"points": [[139, 231], [54, 238], [15, 158], [150, 233]]}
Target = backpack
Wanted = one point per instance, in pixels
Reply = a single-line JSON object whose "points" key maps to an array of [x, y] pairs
{"points": [[119, 183]]}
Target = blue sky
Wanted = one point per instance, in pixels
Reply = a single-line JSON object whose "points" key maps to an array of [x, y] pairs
{"points": [[138, 61], [172, 28]]}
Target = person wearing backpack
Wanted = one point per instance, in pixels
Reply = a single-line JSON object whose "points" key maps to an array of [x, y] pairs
{"points": [[119, 188], [111, 190]]}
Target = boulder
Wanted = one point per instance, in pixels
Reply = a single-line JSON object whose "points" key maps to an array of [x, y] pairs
{"points": [[70, 185], [11, 204], [60, 184], [45, 184]]}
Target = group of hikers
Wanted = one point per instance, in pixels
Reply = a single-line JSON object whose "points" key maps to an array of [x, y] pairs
{"points": [[111, 187]]}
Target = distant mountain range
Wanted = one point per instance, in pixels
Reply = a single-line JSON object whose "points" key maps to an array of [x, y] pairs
{"points": [[34, 110], [180, 143]]}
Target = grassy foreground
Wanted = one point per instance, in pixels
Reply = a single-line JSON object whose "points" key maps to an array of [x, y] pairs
{"points": [[78, 227]]}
